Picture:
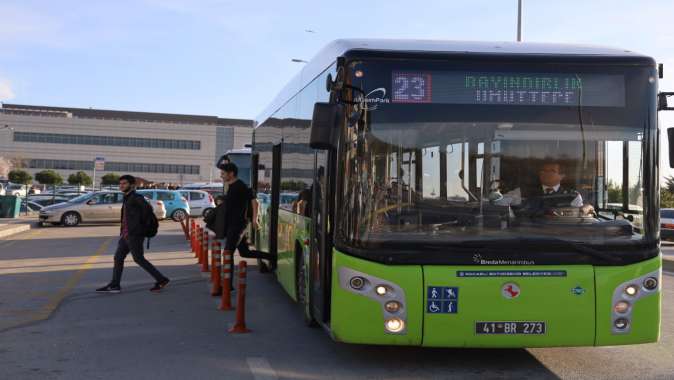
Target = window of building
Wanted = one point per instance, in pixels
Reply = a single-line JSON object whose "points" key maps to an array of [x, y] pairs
{"points": [[55, 138]]}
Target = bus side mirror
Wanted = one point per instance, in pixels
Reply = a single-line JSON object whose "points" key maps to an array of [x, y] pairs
{"points": [[670, 139], [662, 101], [325, 125]]}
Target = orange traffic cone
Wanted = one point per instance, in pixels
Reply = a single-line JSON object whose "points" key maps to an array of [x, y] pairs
{"points": [[200, 237], [240, 325], [216, 267], [192, 235], [226, 300], [204, 251]]}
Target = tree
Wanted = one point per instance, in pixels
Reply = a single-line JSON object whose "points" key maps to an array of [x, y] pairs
{"points": [[669, 184], [110, 179], [19, 176], [614, 192], [666, 198], [80, 178], [49, 177], [293, 185]]}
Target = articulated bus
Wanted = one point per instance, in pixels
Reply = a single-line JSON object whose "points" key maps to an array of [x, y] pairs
{"points": [[450, 194]]}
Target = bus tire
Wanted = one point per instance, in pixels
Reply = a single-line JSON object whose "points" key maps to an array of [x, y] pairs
{"points": [[301, 287]]}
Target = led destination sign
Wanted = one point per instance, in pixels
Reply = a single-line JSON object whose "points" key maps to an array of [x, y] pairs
{"points": [[521, 89]]}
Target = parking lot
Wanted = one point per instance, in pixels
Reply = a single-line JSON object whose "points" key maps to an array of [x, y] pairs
{"points": [[53, 326]]}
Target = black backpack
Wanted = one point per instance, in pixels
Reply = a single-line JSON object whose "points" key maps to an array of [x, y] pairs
{"points": [[150, 223]]}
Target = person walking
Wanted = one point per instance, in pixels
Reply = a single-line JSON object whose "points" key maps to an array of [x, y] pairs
{"points": [[135, 216], [231, 217]]}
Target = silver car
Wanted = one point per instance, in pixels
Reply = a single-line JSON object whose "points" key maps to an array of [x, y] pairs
{"points": [[201, 202], [101, 206]]}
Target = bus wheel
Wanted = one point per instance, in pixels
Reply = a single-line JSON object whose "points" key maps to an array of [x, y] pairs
{"points": [[301, 285]]}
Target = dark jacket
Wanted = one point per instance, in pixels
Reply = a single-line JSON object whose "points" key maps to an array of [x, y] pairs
{"points": [[134, 207], [229, 218], [216, 221]]}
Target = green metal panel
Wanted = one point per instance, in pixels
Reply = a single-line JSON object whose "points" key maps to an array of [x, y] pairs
{"points": [[10, 206], [564, 303], [645, 319], [292, 229], [575, 313], [359, 319]]}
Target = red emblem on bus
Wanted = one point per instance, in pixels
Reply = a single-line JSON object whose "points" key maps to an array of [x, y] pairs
{"points": [[510, 290]]}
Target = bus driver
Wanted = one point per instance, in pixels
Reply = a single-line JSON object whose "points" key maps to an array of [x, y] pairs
{"points": [[549, 193]]}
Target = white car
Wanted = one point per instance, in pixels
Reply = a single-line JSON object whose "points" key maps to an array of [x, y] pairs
{"points": [[667, 223], [201, 202], [16, 189], [2, 189]]}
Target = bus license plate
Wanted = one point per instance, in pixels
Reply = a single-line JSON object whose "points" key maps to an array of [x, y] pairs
{"points": [[510, 328]]}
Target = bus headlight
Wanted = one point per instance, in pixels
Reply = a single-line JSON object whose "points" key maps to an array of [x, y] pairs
{"points": [[651, 283], [621, 323], [394, 325], [392, 306], [381, 290], [389, 296], [357, 282], [631, 290], [621, 307], [626, 297]]}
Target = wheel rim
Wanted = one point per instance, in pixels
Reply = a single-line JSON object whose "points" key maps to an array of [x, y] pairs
{"points": [[70, 219], [179, 215]]}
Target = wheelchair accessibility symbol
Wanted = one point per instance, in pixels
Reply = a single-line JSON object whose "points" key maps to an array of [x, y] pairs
{"points": [[442, 300]]}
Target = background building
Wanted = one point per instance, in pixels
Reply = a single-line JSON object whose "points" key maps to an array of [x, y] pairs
{"points": [[159, 147]]}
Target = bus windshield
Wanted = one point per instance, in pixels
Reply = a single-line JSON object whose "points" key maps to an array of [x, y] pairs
{"points": [[437, 153]]}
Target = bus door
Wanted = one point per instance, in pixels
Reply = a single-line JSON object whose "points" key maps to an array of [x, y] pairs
{"points": [[321, 242], [275, 194], [255, 158]]}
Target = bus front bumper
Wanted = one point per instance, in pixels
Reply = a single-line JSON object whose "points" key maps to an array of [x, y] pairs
{"points": [[493, 306]]}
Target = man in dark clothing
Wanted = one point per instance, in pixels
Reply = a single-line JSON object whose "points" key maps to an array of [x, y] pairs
{"points": [[231, 216], [132, 234]]}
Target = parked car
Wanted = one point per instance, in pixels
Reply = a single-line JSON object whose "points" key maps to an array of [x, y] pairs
{"points": [[667, 223], [177, 207], [212, 188], [47, 200], [32, 206], [67, 195], [101, 206], [16, 189], [201, 202], [2, 189]]}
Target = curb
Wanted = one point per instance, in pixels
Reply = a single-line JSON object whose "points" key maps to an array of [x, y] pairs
{"points": [[17, 229]]}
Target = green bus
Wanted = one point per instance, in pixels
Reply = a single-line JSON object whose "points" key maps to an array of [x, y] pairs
{"points": [[450, 194]]}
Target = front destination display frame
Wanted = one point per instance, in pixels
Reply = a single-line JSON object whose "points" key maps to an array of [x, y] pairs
{"points": [[508, 88]]}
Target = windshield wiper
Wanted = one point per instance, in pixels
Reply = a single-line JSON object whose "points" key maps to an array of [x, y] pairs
{"points": [[584, 249], [486, 244]]}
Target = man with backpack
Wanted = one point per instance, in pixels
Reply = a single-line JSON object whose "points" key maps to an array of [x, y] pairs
{"points": [[138, 222]]}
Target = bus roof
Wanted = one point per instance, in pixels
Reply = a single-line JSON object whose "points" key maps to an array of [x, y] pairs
{"points": [[342, 47], [239, 151]]}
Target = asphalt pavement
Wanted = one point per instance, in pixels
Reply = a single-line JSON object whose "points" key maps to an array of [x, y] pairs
{"points": [[54, 326]]}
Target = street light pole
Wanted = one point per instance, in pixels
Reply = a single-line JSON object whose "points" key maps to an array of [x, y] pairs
{"points": [[519, 20]]}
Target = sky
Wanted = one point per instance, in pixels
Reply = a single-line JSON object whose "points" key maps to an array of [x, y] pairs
{"points": [[230, 58]]}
